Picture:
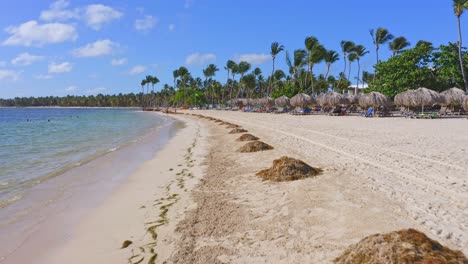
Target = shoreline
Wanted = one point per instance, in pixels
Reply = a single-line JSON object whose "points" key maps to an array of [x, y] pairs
{"points": [[50, 209]]}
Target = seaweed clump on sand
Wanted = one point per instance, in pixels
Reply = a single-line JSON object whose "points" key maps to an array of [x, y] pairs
{"points": [[232, 126], [237, 130], [247, 137], [404, 246], [255, 146], [288, 169], [126, 243]]}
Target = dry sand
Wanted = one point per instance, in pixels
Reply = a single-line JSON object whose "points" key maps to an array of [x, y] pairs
{"points": [[379, 175]]}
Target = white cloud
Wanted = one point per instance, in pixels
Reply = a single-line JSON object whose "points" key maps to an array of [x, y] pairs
{"points": [[33, 34], [43, 76], [254, 58], [171, 27], [118, 62], [188, 3], [71, 88], [96, 90], [200, 59], [146, 23], [58, 12], [96, 49], [60, 67], [98, 15], [3, 63], [9, 75], [138, 69], [25, 59]]}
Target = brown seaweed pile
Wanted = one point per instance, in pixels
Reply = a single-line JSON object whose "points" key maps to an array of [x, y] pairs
{"points": [[288, 169], [237, 130], [255, 146], [404, 246], [247, 137]]}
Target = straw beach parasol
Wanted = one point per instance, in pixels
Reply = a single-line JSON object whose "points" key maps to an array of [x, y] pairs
{"points": [[465, 103], [374, 99], [282, 101], [333, 99], [300, 100], [267, 102], [423, 96], [453, 96], [404, 98]]}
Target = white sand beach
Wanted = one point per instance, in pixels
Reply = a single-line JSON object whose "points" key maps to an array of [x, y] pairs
{"points": [[207, 205]]}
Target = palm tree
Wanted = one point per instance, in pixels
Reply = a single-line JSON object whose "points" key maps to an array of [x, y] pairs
{"points": [[175, 74], [184, 75], [398, 44], [330, 57], [276, 48], [351, 58], [360, 52], [459, 6], [143, 83], [379, 37], [209, 72], [228, 68], [154, 81], [346, 47], [315, 54], [234, 71], [243, 67]]}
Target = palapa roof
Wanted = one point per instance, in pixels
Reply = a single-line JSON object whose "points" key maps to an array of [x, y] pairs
{"points": [[424, 96], [282, 101], [374, 99], [300, 100], [453, 96], [333, 99], [465, 103]]}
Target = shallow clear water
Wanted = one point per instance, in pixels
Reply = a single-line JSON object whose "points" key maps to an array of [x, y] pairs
{"points": [[39, 143]]}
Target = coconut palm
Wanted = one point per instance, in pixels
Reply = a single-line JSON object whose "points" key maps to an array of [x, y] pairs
{"points": [[315, 53], [234, 71], [143, 83], [330, 57], [459, 6], [346, 47], [228, 68], [242, 68], [379, 37], [276, 48], [398, 44], [298, 62], [209, 72], [360, 52], [351, 58]]}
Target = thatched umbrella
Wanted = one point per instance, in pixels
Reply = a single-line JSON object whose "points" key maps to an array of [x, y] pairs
{"points": [[267, 102], [320, 99], [282, 101], [300, 100], [349, 99], [333, 99], [373, 99], [453, 96], [423, 96], [404, 98], [465, 103]]}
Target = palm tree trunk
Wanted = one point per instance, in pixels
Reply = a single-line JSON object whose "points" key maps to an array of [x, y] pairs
{"points": [[460, 55], [270, 89], [377, 55], [359, 69], [344, 70], [328, 71], [311, 79]]}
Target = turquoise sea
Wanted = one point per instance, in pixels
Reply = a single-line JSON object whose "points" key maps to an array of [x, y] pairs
{"points": [[40, 143]]}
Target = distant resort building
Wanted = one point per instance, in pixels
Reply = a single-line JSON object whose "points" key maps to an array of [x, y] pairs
{"points": [[352, 88]]}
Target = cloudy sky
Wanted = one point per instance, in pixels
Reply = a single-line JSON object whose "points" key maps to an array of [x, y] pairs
{"points": [[86, 47]]}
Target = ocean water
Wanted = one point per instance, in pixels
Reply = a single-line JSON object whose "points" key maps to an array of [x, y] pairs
{"points": [[37, 144]]}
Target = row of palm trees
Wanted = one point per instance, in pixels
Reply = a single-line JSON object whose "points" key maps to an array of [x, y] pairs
{"points": [[300, 64]]}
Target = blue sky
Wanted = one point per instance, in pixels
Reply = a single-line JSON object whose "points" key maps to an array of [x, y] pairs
{"points": [[86, 47]]}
